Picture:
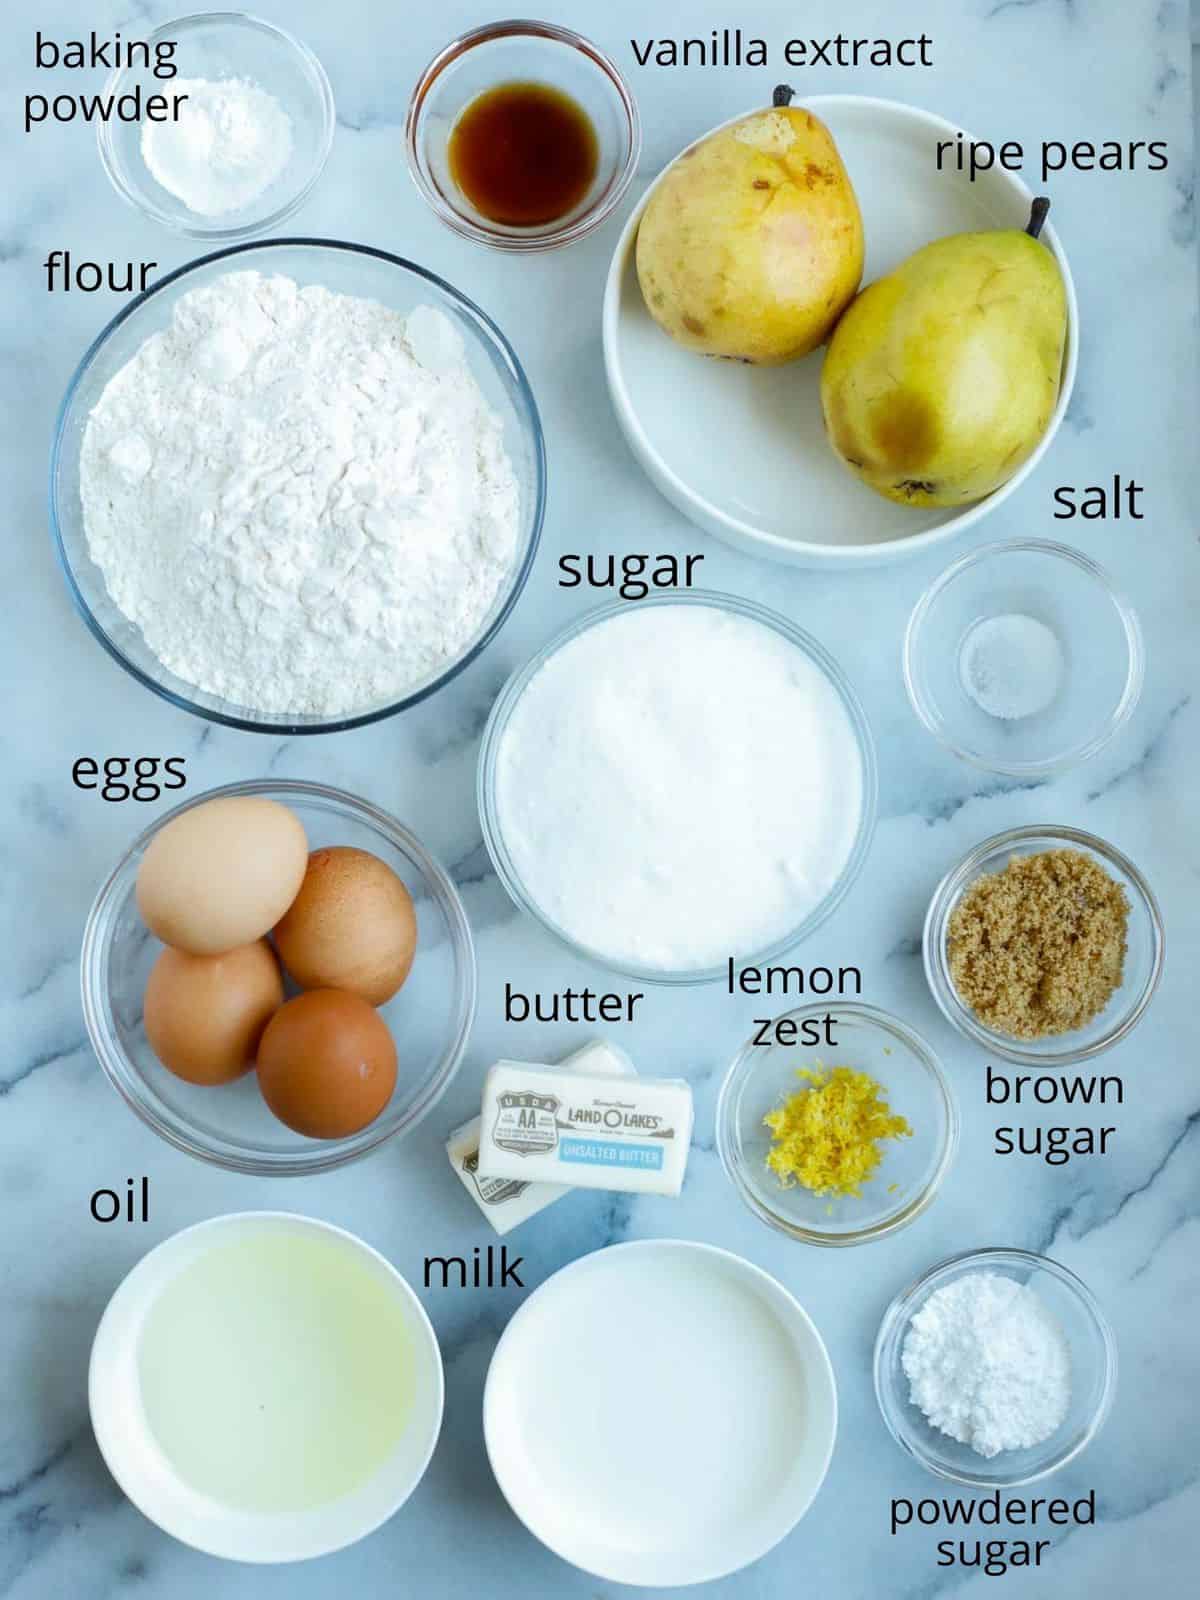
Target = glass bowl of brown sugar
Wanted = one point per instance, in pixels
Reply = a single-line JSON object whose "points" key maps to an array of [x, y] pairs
{"points": [[1044, 945]]}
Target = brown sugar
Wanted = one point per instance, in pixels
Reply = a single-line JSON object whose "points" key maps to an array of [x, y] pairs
{"points": [[1039, 947]]}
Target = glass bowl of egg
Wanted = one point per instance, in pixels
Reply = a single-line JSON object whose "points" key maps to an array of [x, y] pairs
{"points": [[278, 977]]}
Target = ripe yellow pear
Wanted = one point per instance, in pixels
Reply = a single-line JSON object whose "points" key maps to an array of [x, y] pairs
{"points": [[752, 244], [941, 378]]}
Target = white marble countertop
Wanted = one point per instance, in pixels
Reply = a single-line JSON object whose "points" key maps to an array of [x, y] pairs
{"points": [[1128, 1222]]}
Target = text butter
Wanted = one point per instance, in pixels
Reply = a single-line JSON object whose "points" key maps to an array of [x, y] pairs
{"points": [[548, 1125]]}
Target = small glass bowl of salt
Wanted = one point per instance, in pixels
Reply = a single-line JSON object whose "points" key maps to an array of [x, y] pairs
{"points": [[236, 125], [1023, 658]]}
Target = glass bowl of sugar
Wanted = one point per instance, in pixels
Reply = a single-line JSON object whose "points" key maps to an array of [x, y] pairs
{"points": [[236, 126], [1023, 658], [1008, 1326], [678, 783]]}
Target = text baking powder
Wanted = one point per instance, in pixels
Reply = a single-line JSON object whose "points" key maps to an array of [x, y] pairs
{"points": [[678, 784], [988, 1364], [301, 498]]}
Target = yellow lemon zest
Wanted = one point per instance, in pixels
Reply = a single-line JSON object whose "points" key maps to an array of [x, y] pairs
{"points": [[827, 1135]]}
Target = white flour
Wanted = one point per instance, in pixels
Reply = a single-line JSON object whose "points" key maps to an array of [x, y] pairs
{"points": [[988, 1364], [678, 785], [231, 142], [302, 499]]}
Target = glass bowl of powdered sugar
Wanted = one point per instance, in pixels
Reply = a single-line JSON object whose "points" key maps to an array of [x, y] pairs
{"points": [[236, 125], [1023, 658], [995, 1368], [298, 485]]}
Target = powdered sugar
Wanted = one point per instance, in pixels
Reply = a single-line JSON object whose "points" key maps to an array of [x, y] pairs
{"points": [[301, 498], [988, 1364]]}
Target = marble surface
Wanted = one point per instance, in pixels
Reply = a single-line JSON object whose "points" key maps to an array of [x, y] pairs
{"points": [[1129, 1222]]}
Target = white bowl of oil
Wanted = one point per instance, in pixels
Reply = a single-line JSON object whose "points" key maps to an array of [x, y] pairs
{"points": [[266, 1387]]}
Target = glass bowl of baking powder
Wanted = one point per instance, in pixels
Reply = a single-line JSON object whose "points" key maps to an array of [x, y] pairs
{"points": [[1061, 1303], [356, 603], [239, 129]]}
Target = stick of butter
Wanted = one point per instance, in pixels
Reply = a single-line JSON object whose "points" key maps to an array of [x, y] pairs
{"points": [[585, 1130], [506, 1202]]}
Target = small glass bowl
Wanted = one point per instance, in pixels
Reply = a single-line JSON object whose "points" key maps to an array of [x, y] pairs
{"points": [[1143, 957], [350, 269], [1097, 632], [512, 691], [911, 1172], [1093, 1372], [522, 52], [217, 45], [229, 1124]]}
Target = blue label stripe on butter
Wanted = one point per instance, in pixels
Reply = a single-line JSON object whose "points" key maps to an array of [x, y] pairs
{"points": [[608, 1153]]}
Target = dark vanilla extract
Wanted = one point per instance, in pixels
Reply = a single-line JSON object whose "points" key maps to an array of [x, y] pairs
{"points": [[523, 154]]}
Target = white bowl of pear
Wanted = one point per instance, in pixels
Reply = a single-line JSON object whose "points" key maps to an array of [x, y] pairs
{"points": [[831, 435]]}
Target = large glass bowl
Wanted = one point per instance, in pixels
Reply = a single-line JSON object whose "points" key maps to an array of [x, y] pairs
{"points": [[346, 269], [229, 1124], [506, 703], [1093, 1352]]}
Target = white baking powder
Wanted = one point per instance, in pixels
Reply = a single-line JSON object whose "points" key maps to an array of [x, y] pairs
{"points": [[302, 499], [678, 785], [230, 143], [1011, 665], [988, 1364]]}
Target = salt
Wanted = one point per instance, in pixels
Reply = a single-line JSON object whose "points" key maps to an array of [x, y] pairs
{"points": [[678, 785], [1011, 666], [230, 143]]}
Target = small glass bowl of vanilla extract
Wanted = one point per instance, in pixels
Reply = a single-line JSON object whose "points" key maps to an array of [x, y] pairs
{"points": [[522, 135]]}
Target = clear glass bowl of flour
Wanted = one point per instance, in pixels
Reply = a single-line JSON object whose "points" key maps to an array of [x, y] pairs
{"points": [[347, 269], [1023, 658], [1092, 1352], [201, 173], [229, 1125]]}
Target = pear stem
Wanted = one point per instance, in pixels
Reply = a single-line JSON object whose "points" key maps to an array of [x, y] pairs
{"points": [[784, 95], [1037, 216]]}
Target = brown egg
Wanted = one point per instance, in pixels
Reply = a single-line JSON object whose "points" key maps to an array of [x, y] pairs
{"points": [[327, 1064], [352, 926], [222, 874], [205, 1015]]}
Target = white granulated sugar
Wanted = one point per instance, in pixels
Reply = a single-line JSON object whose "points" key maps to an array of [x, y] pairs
{"points": [[988, 1364], [302, 499], [228, 145], [678, 785]]}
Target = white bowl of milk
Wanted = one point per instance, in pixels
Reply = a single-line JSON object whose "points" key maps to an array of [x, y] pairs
{"points": [[266, 1387]]}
